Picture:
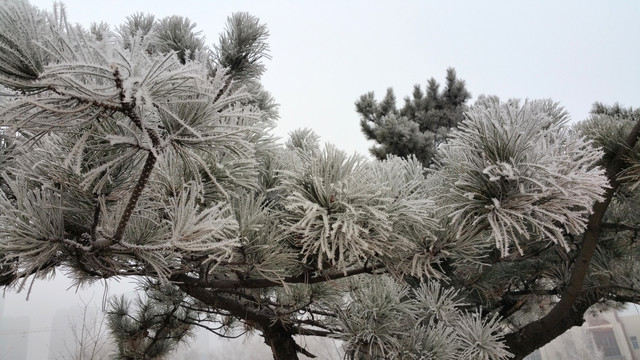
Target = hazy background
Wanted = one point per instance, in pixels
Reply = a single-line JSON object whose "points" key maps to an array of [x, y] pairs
{"points": [[326, 54]]}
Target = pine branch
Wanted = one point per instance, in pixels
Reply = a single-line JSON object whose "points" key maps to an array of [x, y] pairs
{"points": [[9, 275], [305, 352], [635, 299], [88, 101], [551, 292], [198, 323], [235, 308], [611, 288], [321, 313], [128, 108], [161, 334], [135, 196], [318, 324], [264, 283]]}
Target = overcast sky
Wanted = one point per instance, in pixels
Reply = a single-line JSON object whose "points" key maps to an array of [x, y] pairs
{"points": [[326, 54]]}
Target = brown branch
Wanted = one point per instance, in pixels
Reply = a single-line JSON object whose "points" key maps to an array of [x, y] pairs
{"points": [[162, 332], [315, 324], [551, 292], [635, 299], [197, 322], [128, 108], [135, 196], [506, 312], [321, 313], [227, 84], [611, 288], [264, 283], [312, 332], [592, 233], [304, 352], [235, 308]]}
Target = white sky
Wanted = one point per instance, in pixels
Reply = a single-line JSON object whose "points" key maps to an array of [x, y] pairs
{"points": [[326, 54]]}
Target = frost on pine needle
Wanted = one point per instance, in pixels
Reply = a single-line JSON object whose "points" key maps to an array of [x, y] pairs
{"points": [[389, 320], [375, 319], [516, 171], [440, 303], [343, 210], [608, 128], [334, 217], [480, 337], [32, 229], [197, 229], [21, 61]]}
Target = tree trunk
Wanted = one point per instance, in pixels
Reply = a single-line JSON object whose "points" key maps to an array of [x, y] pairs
{"points": [[539, 333], [283, 347]]}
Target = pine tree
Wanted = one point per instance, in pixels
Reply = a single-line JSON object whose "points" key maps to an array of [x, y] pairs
{"points": [[120, 158], [420, 126], [154, 326]]}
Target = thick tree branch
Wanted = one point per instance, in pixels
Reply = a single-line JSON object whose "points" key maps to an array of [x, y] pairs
{"points": [[594, 228], [551, 292], [564, 314], [635, 299], [214, 299], [313, 332]]}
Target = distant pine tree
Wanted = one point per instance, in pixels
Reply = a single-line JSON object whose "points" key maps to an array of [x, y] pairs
{"points": [[420, 126]]}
